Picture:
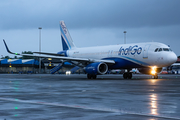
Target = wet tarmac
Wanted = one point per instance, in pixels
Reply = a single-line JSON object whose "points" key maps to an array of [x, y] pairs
{"points": [[74, 97]]}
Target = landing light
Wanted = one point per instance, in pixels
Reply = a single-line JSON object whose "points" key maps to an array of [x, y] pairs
{"points": [[153, 71]]}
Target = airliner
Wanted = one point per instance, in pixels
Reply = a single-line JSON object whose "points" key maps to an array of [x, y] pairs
{"points": [[148, 57]]}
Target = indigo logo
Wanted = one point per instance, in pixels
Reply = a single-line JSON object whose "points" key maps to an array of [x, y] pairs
{"points": [[131, 50], [64, 28]]}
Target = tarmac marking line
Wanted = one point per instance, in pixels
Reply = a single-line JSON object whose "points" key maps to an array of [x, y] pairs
{"points": [[88, 108]]}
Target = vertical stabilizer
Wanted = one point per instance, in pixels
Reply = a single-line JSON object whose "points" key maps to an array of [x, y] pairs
{"points": [[67, 42]]}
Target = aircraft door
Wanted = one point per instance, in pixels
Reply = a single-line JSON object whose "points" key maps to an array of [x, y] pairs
{"points": [[110, 53], [145, 51]]}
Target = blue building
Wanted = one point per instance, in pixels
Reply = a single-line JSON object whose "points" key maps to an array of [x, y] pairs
{"points": [[19, 66], [25, 66]]}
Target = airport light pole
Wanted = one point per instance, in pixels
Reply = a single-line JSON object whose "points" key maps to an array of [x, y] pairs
{"points": [[40, 48], [125, 37]]}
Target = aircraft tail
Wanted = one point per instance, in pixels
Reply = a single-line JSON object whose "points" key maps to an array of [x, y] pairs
{"points": [[67, 42]]}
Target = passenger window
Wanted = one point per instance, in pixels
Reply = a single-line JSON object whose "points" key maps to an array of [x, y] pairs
{"points": [[160, 49], [156, 50], [165, 49]]}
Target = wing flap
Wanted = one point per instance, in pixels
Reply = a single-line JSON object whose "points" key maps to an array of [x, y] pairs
{"points": [[71, 58], [55, 54]]}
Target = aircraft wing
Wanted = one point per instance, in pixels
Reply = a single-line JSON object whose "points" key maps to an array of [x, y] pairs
{"points": [[45, 53], [70, 58], [55, 56]]}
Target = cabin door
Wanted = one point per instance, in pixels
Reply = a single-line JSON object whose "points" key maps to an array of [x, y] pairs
{"points": [[145, 51], [110, 53]]}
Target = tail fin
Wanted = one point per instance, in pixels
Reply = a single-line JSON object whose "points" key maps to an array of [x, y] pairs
{"points": [[67, 42]]}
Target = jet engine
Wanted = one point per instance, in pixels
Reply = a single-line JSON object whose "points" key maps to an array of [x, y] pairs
{"points": [[96, 68]]}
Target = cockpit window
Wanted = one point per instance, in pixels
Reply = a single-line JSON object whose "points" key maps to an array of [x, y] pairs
{"points": [[160, 49], [165, 49], [156, 49]]}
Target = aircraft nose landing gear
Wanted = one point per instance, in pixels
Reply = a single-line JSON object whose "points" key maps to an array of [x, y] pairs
{"points": [[154, 72], [155, 76]]}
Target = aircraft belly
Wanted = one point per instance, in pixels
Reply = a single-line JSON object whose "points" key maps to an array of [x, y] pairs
{"points": [[126, 63]]}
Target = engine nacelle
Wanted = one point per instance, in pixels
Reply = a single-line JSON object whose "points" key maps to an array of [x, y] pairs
{"points": [[148, 70], [96, 68]]}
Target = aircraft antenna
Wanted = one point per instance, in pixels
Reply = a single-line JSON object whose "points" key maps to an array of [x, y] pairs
{"points": [[125, 37]]}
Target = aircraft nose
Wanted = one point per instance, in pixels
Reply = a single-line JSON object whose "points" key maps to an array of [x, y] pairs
{"points": [[172, 58]]}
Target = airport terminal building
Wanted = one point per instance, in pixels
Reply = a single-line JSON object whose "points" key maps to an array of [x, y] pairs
{"points": [[18, 66]]}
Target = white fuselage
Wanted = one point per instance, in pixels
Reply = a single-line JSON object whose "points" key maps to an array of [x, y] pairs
{"points": [[142, 54]]}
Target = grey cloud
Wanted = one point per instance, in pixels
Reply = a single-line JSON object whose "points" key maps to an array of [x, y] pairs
{"points": [[89, 14]]}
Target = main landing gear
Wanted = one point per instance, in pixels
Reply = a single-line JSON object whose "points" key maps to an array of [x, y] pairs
{"points": [[127, 75], [91, 76]]}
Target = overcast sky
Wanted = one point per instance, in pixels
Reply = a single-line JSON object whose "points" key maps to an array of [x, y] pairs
{"points": [[90, 23]]}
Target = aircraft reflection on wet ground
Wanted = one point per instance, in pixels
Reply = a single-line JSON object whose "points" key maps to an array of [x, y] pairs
{"points": [[75, 97]]}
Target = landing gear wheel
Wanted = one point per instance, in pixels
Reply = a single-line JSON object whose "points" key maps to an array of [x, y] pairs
{"points": [[94, 76], [125, 75], [156, 77], [89, 76], [129, 75]]}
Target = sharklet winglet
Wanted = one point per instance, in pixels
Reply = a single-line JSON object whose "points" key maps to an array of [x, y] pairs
{"points": [[8, 48]]}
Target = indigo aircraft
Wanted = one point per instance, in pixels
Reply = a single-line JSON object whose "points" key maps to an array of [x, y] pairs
{"points": [[148, 58]]}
